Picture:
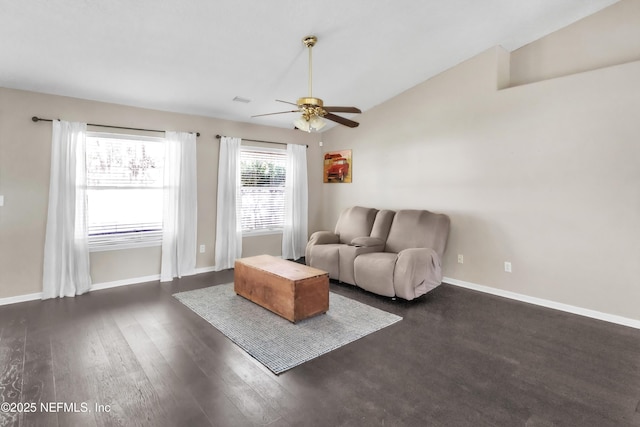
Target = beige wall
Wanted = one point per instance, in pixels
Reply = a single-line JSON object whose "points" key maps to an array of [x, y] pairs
{"points": [[544, 175], [610, 37], [24, 181]]}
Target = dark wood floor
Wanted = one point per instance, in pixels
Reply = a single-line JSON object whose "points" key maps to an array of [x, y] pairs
{"points": [[458, 358]]}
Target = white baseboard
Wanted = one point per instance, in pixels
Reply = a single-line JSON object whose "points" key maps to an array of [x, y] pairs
{"points": [[99, 286], [20, 298], [612, 318], [204, 270], [143, 279], [124, 282]]}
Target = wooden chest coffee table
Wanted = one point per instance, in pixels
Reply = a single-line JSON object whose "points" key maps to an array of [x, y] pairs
{"points": [[291, 290]]}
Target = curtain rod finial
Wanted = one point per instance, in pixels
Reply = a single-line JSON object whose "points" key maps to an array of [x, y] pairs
{"points": [[35, 119]]}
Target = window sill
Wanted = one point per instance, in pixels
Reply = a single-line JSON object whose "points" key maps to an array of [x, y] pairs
{"points": [[120, 246], [125, 241], [261, 232]]}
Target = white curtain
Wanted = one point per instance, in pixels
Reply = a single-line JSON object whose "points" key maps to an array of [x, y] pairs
{"points": [[66, 248], [180, 216], [296, 207], [228, 227]]}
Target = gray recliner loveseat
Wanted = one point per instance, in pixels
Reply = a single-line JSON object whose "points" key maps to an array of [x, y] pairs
{"points": [[358, 231], [385, 252]]}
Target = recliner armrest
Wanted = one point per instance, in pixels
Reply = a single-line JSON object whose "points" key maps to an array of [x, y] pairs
{"points": [[367, 242], [417, 271], [323, 238], [319, 238]]}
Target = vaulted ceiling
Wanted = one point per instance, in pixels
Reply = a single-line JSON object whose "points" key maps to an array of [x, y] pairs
{"points": [[195, 56]]}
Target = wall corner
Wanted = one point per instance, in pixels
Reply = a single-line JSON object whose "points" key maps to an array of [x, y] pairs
{"points": [[503, 68]]}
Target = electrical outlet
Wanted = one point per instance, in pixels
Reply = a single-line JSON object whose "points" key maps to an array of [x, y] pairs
{"points": [[460, 259], [202, 249], [507, 266]]}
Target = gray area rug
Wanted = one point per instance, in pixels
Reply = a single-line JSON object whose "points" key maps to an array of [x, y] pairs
{"points": [[275, 342]]}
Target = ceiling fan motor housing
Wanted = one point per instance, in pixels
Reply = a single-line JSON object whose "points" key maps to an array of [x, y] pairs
{"points": [[310, 102], [311, 107]]}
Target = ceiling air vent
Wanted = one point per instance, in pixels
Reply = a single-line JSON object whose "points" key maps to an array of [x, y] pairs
{"points": [[241, 99]]}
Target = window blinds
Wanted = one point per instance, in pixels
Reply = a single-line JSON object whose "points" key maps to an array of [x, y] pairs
{"points": [[124, 190], [262, 175]]}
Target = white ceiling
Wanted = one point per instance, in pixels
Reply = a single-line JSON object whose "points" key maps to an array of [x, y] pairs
{"points": [[195, 56]]}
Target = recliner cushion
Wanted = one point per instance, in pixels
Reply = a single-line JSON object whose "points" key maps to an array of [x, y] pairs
{"points": [[348, 255], [374, 272], [418, 229], [382, 224], [355, 222]]}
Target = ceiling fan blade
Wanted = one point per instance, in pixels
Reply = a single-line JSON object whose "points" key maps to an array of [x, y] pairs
{"points": [[271, 114], [341, 120], [287, 102], [342, 109]]}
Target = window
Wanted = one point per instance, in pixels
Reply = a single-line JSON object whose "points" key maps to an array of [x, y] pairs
{"points": [[124, 191], [262, 175]]}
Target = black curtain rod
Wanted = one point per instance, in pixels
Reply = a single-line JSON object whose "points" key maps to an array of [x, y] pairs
{"points": [[37, 119], [260, 140]]}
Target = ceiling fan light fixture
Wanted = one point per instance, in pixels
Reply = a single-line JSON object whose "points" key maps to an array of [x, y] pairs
{"points": [[313, 124], [302, 124], [316, 123]]}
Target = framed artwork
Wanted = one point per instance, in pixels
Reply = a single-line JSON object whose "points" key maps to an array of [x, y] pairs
{"points": [[338, 166]]}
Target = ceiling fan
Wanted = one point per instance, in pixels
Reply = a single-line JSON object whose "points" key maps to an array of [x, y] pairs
{"points": [[312, 109]]}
